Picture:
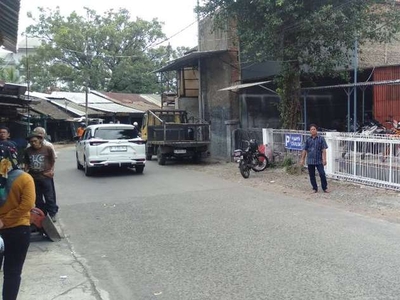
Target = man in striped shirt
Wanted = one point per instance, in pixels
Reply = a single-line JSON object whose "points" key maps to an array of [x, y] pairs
{"points": [[315, 150]]}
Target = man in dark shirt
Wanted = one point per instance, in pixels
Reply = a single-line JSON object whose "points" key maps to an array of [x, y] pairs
{"points": [[5, 137], [315, 150], [5, 141], [39, 163]]}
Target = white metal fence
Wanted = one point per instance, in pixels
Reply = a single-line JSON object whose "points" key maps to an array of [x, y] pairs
{"points": [[367, 159]]}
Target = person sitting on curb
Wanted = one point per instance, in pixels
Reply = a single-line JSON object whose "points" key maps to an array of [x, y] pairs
{"points": [[39, 162], [15, 228]]}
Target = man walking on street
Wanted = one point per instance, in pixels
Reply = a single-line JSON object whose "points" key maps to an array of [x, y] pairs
{"points": [[315, 150], [39, 162]]}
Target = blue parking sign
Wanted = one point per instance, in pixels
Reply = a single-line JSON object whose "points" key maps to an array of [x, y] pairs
{"points": [[293, 142]]}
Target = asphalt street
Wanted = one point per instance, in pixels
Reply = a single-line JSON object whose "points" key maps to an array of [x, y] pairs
{"points": [[174, 233]]}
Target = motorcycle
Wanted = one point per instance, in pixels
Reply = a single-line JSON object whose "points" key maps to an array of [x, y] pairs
{"points": [[369, 128], [250, 159]]}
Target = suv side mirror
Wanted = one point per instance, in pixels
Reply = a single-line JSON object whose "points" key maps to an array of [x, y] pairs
{"points": [[76, 138]]}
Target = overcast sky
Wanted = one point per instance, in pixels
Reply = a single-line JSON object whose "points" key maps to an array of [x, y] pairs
{"points": [[176, 14]]}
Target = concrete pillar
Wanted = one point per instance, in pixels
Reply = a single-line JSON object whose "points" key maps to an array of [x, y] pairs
{"points": [[268, 137], [331, 141]]}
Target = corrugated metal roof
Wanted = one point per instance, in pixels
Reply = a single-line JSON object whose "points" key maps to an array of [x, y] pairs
{"points": [[79, 98], [153, 98], [95, 101], [45, 107], [114, 108], [75, 108], [135, 101]]}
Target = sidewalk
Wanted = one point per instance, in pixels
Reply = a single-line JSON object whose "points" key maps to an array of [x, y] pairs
{"points": [[52, 271]]}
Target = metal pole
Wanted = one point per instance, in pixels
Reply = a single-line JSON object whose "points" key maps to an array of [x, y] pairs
{"points": [[27, 81], [363, 104], [200, 97], [86, 104], [305, 111], [355, 82], [348, 111]]}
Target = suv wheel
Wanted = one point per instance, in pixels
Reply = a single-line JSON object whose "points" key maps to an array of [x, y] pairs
{"points": [[139, 169], [78, 165], [88, 170]]}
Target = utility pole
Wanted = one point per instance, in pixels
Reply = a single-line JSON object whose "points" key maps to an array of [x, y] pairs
{"points": [[27, 80], [355, 82], [200, 97], [86, 103]]}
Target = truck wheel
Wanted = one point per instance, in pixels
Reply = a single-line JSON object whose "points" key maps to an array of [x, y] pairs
{"points": [[149, 153], [161, 158], [196, 158]]}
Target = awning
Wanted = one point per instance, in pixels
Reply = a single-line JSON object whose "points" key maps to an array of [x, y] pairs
{"points": [[9, 14], [244, 85], [350, 85], [189, 60]]}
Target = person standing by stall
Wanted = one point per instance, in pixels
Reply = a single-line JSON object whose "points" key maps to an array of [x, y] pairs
{"points": [[5, 137], [39, 162]]}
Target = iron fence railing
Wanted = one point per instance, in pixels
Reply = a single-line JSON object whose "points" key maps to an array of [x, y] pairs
{"points": [[355, 157]]}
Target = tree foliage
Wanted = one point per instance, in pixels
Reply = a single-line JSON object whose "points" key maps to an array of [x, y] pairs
{"points": [[307, 36], [107, 52], [8, 73]]}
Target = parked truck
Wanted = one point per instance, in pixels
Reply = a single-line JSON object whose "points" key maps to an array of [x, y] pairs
{"points": [[168, 134]]}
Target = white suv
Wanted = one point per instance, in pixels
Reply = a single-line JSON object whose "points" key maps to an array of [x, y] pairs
{"points": [[110, 145]]}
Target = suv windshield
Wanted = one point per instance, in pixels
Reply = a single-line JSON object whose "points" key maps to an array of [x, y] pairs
{"points": [[115, 134]]}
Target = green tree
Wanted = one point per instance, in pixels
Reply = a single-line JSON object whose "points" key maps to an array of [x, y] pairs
{"points": [[8, 73], [307, 36], [106, 52]]}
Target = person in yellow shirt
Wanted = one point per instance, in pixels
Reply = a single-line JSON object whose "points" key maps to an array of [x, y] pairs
{"points": [[17, 194]]}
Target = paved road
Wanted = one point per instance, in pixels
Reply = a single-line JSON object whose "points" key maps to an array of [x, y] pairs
{"points": [[173, 233]]}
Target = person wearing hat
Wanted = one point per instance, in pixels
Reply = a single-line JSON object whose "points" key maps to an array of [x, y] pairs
{"points": [[42, 131], [18, 195], [39, 162]]}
